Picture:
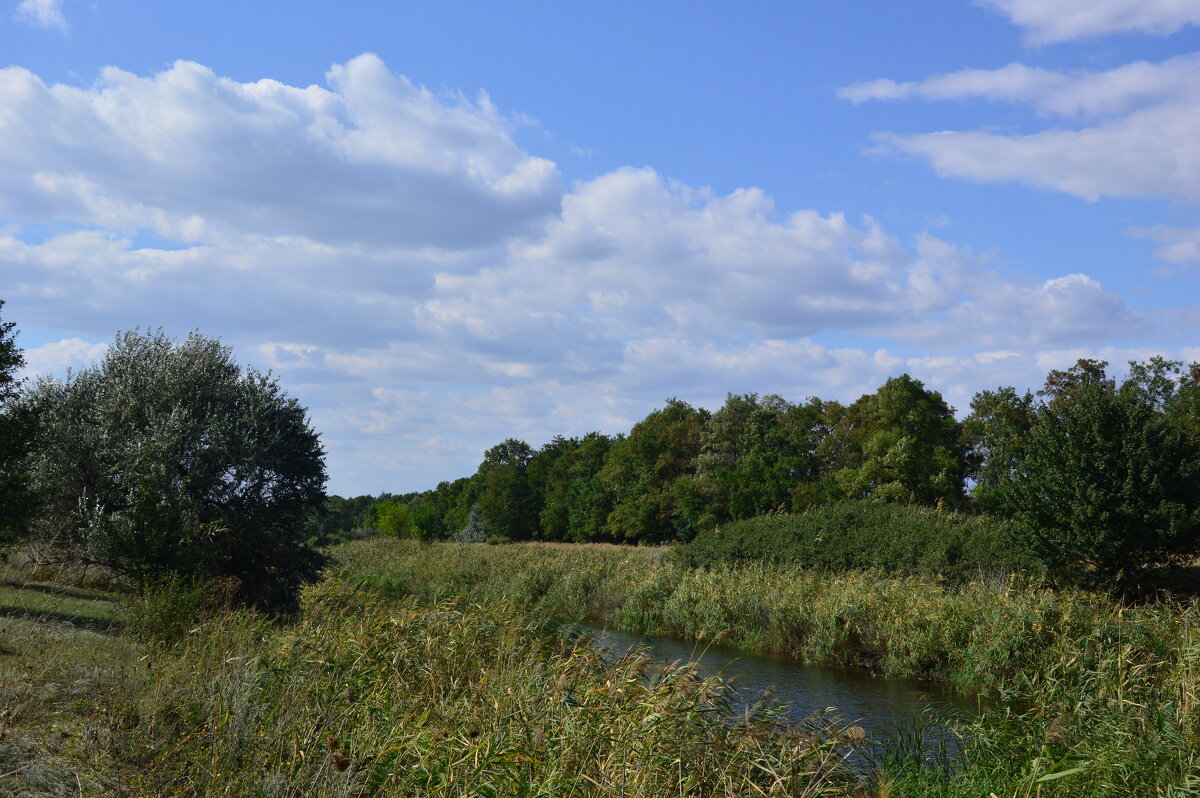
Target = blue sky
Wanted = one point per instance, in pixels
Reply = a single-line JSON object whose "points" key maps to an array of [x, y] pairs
{"points": [[444, 224]]}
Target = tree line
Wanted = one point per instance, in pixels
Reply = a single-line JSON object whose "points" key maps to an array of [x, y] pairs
{"points": [[1100, 473], [167, 457]]}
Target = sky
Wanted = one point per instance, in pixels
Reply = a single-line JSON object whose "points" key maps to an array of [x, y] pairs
{"points": [[443, 224]]}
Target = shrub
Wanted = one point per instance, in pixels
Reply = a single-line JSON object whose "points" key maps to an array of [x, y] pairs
{"points": [[168, 458], [167, 608], [867, 534]]}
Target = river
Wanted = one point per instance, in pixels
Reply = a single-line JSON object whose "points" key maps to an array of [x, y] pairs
{"points": [[882, 707]]}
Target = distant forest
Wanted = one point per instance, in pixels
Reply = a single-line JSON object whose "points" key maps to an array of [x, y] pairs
{"points": [[1083, 454]]}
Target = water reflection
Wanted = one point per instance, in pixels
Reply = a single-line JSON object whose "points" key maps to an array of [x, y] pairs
{"points": [[882, 707]]}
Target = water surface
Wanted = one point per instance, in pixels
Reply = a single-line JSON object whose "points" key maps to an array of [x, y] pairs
{"points": [[881, 706]]}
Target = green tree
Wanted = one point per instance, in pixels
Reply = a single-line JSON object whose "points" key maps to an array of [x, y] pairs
{"points": [[589, 500], [643, 472], [14, 498], [506, 504], [1109, 480], [755, 453], [394, 519], [996, 437], [900, 443], [167, 457], [550, 484]]}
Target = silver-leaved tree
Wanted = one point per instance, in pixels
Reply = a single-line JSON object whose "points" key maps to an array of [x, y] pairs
{"points": [[167, 458]]}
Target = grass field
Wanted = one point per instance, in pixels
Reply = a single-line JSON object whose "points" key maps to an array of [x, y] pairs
{"points": [[63, 662], [445, 670], [1112, 691]]}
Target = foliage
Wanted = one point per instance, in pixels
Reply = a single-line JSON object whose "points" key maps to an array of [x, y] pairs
{"points": [[168, 458], [900, 443], [589, 499], [506, 502], [549, 478], [14, 496], [644, 473], [394, 519], [473, 530], [754, 453], [167, 607], [996, 434], [1109, 479], [896, 539]]}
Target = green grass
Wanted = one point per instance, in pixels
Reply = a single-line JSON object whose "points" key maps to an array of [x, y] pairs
{"points": [[1105, 697], [364, 695], [450, 671], [62, 664], [370, 697]]}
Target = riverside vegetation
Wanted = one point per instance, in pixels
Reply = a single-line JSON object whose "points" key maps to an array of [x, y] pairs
{"points": [[445, 670], [1023, 553]]}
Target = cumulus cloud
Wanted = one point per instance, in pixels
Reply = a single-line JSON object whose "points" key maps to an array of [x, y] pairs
{"points": [[526, 311], [633, 261], [1049, 21], [58, 356], [1141, 135], [372, 159], [42, 14]]}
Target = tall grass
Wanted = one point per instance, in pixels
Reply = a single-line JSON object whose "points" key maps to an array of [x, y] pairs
{"points": [[370, 697], [1102, 698]]}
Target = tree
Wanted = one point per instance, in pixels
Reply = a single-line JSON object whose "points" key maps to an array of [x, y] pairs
{"points": [[167, 457], [1109, 479], [589, 501], [996, 437], [394, 519], [506, 504], [643, 472], [14, 498], [549, 475], [754, 455], [900, 443]]}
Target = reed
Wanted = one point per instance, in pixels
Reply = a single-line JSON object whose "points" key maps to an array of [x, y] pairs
{"points": [[1099, 698], [369, 697]]}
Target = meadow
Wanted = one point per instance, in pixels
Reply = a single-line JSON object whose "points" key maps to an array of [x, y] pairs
{"points": [[454, 670], [1099, 697]]}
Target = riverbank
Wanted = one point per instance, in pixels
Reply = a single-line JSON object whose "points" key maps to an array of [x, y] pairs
{"points": [[448, 670], [1114, 690], [362, 695]]}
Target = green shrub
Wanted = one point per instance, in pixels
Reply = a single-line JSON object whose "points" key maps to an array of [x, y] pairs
{"points": [[169, 606], [855, 535]]}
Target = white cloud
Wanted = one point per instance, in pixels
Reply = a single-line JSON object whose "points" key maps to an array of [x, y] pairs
{"points": [[1143, 138], [373, 159], [58, 356], [1080, 93], [1180, 245], [1049, 21], [415, 348], [42, 14]]}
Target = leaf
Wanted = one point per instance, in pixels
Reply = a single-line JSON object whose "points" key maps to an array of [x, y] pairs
{"points": [[1060, 774]]}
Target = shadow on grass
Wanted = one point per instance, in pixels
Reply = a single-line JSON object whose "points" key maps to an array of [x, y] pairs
{"points": [[100, 625], [60, 590], [1180, 581]]}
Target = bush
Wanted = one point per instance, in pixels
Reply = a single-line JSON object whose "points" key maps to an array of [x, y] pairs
{"points": [[866, 534], [168, 458], [167, 608]]}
